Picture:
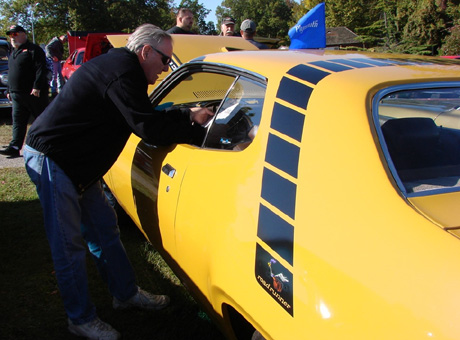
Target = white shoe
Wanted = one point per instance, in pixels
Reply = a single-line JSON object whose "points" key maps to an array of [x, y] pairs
{"points": [[143, 300], [95, 330]]}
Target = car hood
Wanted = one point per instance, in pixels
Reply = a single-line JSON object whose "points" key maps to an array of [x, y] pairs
{"points": [[95, 43]]}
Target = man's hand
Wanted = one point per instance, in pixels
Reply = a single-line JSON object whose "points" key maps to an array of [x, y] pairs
{"points": [[35, 93], [200, 115]]}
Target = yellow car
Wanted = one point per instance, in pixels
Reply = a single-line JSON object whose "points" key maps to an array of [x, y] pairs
{"points": [[322, 203]]}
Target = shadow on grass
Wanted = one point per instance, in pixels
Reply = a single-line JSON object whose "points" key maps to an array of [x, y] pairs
{"points": [[31, 304]]}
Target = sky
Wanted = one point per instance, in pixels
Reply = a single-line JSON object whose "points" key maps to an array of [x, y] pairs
{"points": [[212, 5]]}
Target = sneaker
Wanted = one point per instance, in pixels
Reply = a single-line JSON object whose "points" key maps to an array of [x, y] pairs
{"points": [[10, 151], [95, 330], [143, 300]]}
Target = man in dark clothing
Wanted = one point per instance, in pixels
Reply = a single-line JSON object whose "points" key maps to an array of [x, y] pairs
{"points": [[27, 85], [71, 146], [55, 53], [184, 22], [248, 31]]}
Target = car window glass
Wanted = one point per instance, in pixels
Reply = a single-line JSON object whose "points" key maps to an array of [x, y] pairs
{"points": [[79, 59], [200, 89], [3, 52], [235, 124], [421, 132], [73, 56]]}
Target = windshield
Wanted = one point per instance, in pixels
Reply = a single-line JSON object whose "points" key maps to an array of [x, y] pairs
{"points": [[421, 132]]}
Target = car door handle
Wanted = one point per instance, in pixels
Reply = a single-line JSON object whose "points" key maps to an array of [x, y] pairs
{"points": [[169, 170]]}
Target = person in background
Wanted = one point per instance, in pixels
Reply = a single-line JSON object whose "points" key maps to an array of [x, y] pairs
{"points": [[184, 22], [55, 52], [73, 144], [227, 27], [248, 31], [27, 85]]}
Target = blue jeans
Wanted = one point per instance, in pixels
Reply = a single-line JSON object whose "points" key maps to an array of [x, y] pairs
{"points": [[71, 220], [57, 80]]}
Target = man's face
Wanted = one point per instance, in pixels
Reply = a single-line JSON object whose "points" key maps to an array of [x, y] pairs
{"points": [[227, 29], [152, 60], [187, 21], [17, 38]]}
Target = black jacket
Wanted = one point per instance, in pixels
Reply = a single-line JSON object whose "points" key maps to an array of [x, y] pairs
{"points": [[27, 69], [55, 48], [178, 30], [86, 127]]}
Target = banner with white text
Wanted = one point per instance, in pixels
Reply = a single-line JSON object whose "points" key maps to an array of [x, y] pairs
{"points": [[310, 30]]}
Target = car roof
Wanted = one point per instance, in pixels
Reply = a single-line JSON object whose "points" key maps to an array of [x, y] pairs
{"points": [[367, 68]]}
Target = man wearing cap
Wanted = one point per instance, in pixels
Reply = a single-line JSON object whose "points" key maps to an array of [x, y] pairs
{"points": [[248, 30], [227, 28], [27, 85]]}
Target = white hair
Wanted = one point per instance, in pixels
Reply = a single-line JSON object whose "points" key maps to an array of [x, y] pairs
{"points": [[146, 34]]}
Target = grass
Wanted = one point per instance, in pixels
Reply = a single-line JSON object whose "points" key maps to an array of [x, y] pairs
{"points": [[31, 305]]}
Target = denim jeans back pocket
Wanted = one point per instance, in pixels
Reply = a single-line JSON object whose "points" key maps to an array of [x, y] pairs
{"points": [[33, 160]]}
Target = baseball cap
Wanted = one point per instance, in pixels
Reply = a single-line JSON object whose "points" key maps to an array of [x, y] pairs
{"points": [[248, 26], [228, 20], [15, 29]]}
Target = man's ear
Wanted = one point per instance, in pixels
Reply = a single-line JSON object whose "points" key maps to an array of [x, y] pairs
{"points": [[145, 52]]}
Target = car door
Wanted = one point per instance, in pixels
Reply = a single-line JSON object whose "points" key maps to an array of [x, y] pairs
{"points": [[198, 189]]}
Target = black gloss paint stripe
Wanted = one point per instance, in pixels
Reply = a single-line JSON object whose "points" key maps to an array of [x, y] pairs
{"points": [[279, 192], [307, 73], [376, 62], [283, 155], [351, 62], [277, 233], [330, 66], [287, 121], [294, 92]]}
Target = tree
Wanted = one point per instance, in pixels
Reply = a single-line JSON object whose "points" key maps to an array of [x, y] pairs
{"points": [[451, 44], [51, 18], [425, 27], [271, 16]]}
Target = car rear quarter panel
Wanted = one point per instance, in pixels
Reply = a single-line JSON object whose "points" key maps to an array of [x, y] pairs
{"points": [[366, 263]]}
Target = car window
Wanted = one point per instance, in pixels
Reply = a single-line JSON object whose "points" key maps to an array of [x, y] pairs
{"points": [[79, 59], [4, 52], [236, 122], [421, 133], [236, 101]]}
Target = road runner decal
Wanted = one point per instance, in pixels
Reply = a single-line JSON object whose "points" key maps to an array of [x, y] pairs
{"points": [[275, 279]]}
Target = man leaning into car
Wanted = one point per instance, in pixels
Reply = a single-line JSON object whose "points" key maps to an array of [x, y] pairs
{"points": [[71, 146]]}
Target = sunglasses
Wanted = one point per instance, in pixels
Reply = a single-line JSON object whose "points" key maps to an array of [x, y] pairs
{"points": [[164, 58], [13, 34]]}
